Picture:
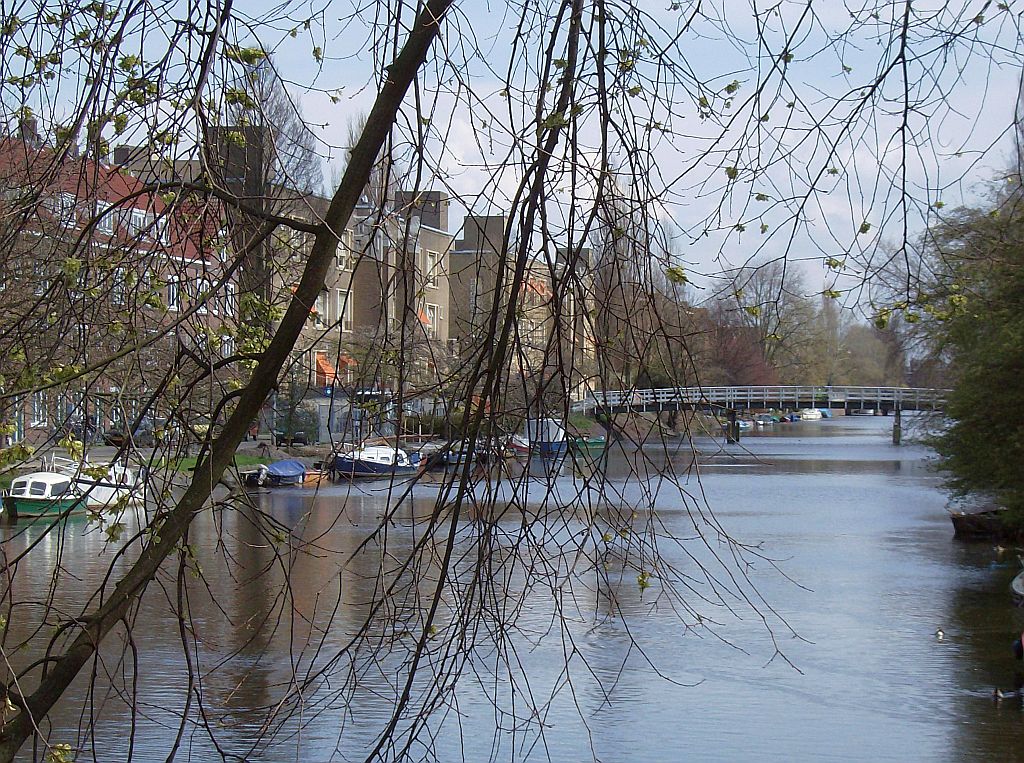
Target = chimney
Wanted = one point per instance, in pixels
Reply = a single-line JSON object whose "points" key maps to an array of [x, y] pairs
{"points": [[28, 131], [430, 206], [124, 154]]}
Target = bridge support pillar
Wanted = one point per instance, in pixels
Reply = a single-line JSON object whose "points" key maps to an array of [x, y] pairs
{"points": [[732, 427], [897, 428]]}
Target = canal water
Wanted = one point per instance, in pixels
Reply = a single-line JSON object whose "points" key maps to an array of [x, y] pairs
{"points": [[788, 612]]}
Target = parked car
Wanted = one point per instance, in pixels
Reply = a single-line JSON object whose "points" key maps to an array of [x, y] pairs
{"points": [[294, 438], [142, 437]]}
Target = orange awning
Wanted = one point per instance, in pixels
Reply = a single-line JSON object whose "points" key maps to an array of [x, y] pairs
{"points": [[325, 372]]}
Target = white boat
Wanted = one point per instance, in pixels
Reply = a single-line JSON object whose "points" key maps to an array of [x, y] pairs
{"points": [[68, 486], [810, 414], [373, 461], [540, 437]]}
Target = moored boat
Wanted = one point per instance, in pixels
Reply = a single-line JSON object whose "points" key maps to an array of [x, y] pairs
{"points": [[278, 474], [458, 452], [540, 437], [594, 444], [810, 414], [67, 486], [373, 461], [978, 525]]}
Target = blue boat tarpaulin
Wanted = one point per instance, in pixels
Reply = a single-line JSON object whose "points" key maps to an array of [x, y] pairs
{"points": [[287, 468]]}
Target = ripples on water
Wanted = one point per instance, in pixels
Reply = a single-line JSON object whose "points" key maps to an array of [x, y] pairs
{"points": [[859, 570]]}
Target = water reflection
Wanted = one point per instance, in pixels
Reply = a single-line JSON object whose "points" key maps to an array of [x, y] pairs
{"points": [[850, 561]]}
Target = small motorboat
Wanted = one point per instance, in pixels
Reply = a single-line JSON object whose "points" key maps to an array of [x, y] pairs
{"points": [[810, 414], [68, 486], [594, 444], [288, 471], [373, 461]]}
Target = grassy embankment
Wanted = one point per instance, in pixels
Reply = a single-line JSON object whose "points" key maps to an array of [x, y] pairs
{"points": [[188, 463]]}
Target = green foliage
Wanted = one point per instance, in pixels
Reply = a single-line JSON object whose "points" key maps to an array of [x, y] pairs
{"points": [[60, 753], [676, 275], [983, 447]]}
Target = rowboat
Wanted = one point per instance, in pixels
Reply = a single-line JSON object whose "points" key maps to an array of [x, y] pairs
{"points": [[978, 525]]}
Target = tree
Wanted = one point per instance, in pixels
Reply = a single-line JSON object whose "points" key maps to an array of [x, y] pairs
{"points": [[769, 306], [973, 313], [577, 138]]}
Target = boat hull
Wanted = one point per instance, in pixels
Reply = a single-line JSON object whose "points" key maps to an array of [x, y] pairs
{"points": [[541, 449], [979, 525], [27, 507], [52, 493], [350, 468]]}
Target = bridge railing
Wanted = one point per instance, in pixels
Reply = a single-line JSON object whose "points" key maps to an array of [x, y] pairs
{"points": [[770, 396]]}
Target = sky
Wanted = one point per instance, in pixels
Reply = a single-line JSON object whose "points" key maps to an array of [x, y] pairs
{"points": [[748, 130], [963, 95]]}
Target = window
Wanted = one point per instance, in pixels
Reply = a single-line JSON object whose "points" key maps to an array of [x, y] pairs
{"points": [[229, 299], [137, 222], [203, 296], [38, 414], [321, 311], [347, 255], [63, 208], [432, 265], [213, 300], [173, 294], [433, 316], [227, 345], [119, 290], [159, 230], [345, 309], [104, 219]]}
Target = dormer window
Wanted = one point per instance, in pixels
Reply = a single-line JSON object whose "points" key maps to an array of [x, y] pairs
{"points": [[104, 219], [137, 222]]}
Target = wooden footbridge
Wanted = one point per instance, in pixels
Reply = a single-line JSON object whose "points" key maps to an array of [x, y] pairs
{"points": [[720, 399], [729, 401]]}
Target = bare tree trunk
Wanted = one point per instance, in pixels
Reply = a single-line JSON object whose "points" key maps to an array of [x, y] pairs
{"points": [[63, 670]]}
